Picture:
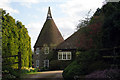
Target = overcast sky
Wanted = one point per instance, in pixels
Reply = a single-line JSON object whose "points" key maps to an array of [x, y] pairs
{"points": [[66, 13]]}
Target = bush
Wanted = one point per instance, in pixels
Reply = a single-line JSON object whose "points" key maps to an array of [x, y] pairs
{"points": [[71, 70], [113, 74], [10, 73], [24, 71], [85, 63], [57, 64], [36, 70]]}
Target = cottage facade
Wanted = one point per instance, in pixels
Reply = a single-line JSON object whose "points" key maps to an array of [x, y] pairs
{"points": [[47, 40]]}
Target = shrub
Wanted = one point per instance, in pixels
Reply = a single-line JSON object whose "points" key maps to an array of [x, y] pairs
{"points": [[57, 64], [24, 71], [107, 73], [71, 70], [85, 63], [9, 73]]}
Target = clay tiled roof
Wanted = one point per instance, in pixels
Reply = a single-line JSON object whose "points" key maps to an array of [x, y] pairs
{"points": [[84, 37], [49, 33], [70, 42]]}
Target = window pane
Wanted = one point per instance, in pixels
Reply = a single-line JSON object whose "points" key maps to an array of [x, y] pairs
{"points": [[37, 63], [68, 55], [59, 55], [46, 63], [46, 50], [37, 50], [64, 55]]}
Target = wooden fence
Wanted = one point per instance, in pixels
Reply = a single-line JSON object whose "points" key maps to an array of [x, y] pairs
{"points": [[19, 60], [111, 55]]}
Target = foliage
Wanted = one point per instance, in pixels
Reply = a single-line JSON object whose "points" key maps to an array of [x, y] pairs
{"points": [[71, 70], [85, 22], [110, 8], [15, 39], [98, 12], [90, 35], [24, 71], [57, 64], [85, 63], [111, 27], [104, 74], [102, 31], [9, 73]]}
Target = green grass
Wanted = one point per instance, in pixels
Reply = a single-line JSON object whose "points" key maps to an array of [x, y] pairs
{"points": [[26, 75]]}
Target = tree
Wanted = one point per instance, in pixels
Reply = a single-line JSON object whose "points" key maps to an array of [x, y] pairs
{"points": [[15, 39], [85, 22], [111, 27]]}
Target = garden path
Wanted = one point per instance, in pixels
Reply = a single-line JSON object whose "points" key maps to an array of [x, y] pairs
{"points": [[46, 75]]}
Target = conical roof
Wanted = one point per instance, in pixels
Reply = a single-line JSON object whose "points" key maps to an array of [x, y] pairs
{"points": [[49, 33]]}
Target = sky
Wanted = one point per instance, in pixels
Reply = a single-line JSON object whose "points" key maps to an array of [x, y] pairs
{"points": [[66, 14]]}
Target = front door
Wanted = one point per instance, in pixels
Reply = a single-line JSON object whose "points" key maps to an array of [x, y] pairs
{"points": [[46, 64]]}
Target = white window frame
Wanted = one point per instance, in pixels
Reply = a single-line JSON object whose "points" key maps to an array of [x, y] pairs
{"points": [[45, 63], [59, 53], [46, 50], [69, 54], [37, 63], [37, 51], [66, 53]]}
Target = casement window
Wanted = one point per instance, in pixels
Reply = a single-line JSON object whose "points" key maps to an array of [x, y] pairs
{"points": [[37, 63], [60, 55], [64, 55], [46, 50], [69, 56], [37, 51], [46, 63]]}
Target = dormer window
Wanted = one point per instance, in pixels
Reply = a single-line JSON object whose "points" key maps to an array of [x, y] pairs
{"points": [[46, 50], [37, 51]]}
